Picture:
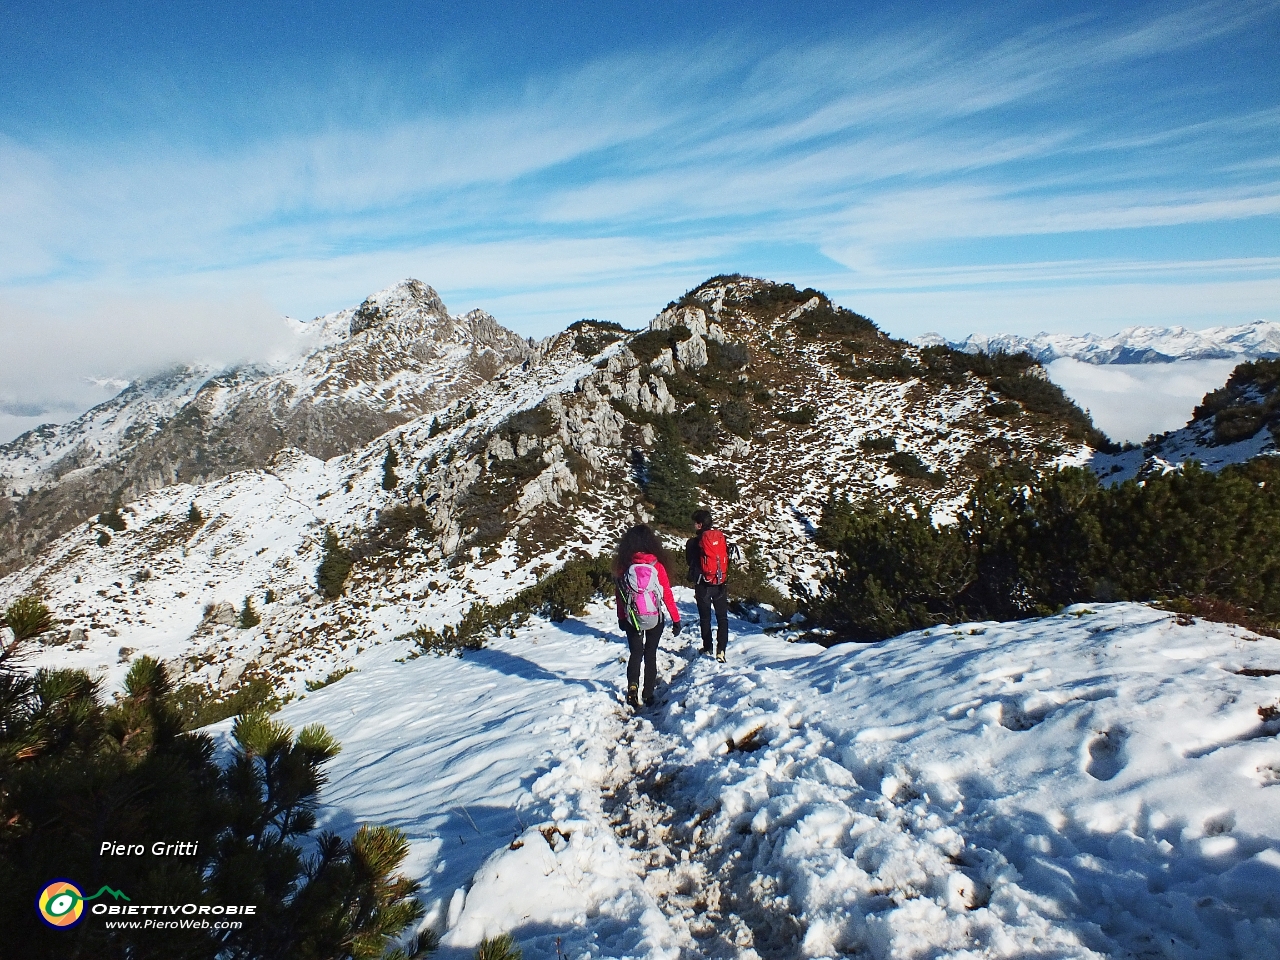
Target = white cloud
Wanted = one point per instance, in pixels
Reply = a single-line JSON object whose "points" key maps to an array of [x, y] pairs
{"points": [[609, 189], [1132, 401], [60, 360]]}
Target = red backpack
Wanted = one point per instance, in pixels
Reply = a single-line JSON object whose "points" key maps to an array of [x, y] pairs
{"points": [[715, 557]]}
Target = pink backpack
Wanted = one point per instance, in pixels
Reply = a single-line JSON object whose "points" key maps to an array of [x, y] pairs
{"points": [[643, 592]]}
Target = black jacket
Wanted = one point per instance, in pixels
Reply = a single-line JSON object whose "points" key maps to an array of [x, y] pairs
{"points": [[693, 557]]}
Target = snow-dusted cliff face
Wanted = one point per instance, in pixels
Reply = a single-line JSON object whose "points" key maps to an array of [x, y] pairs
{"points": [[1248, 341], [356, 374]]}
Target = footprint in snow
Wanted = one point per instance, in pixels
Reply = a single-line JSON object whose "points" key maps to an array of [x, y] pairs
{"points": [[1107, 754]]}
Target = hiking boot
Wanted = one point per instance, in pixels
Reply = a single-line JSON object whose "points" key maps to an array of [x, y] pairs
{"points": [[649, 699], [706, 648], [633, 696], [720, 655]]}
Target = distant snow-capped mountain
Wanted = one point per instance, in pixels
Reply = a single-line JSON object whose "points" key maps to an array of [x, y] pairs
{"points": [[355, 374], [1247, 341]]}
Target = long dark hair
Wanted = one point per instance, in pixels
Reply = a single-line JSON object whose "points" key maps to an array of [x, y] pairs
{"points": [[639, 539]]}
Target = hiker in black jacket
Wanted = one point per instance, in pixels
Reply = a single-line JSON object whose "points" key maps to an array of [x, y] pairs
{"points": [[707, 556]]}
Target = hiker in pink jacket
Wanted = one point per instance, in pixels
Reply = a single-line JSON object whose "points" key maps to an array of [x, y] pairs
{"points": [[642, 589]]}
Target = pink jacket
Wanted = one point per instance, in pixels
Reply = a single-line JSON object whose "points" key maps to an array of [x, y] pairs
{"points": [[667, 597]]}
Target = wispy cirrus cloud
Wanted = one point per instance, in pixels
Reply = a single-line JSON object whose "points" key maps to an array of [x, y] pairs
{"points": [[879, 166]]}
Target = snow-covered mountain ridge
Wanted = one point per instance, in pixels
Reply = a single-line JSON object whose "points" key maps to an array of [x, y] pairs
{"points": [[355, 374], [1259, 339], [1096, 784], [535, 466]]}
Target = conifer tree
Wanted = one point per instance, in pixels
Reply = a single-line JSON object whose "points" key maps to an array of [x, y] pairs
{"points": [[389, 463], [77, 772], [335, 566], [670, 483], [248, 615], [194, 516]]}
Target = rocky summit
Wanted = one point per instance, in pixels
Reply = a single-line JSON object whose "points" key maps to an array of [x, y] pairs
{"points": [[354, 375]]}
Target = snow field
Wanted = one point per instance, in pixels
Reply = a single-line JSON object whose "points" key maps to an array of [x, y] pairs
{"points": [[1093, 784]]}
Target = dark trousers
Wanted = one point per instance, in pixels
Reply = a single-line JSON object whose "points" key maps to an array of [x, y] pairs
{"points": [[643, 646], [713, 596]]}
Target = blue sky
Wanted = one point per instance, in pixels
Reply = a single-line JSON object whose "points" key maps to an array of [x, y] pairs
{"points": [[174, 176]]}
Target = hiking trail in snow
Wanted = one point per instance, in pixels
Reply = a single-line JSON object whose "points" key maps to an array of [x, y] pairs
{"points": [[1100, 783]]}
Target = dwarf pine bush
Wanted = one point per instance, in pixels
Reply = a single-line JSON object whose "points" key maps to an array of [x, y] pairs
{"points": [[110, 517], [248, 615], [28, 617], [670, 483], [389, 463], [71, 761], [335, 566], [1192, 539], [501, 947]]}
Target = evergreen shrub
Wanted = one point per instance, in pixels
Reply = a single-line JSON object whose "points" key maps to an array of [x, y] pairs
{"points": [[878, 444], [727, 356], [719, 484], [27, 617], [648, 346], [111, 518], [501, 947], [74, 765], [333, 677], [248, 615], [198, 706], [1027, 546], [592, 336], [801, 416], [908, 465], [670, 483], [749, 583], [736, 417], [389, 463], [335, 566]]}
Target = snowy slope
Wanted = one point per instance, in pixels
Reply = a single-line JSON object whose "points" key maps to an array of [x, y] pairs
{"points": [[400, 349], [1248, 341], [1094, 784], [1195, 441], [49, 453], [146, 590]]}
